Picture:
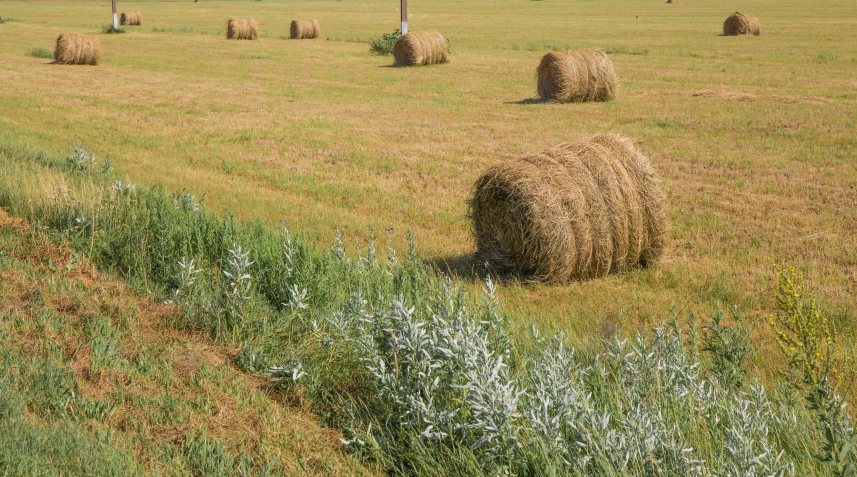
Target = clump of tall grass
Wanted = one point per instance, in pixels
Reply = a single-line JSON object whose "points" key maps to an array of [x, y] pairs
{"points": [[41, 52]]}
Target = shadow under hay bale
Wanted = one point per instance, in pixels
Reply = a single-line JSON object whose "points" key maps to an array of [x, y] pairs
{"points": [[420, 48], [241, 29], [77, 49], [576, 76], [740, 24], [579, 210], [304, 29], [131, 18]]}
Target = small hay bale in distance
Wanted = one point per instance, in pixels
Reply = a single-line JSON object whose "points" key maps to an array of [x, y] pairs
{"points": [[576, 76], [131, 18], [577, 211], [242, 29], [420, 48], [304, 29], [77, 49], [740, 24]]}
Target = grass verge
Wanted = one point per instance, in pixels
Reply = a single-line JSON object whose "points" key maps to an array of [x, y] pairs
{"points": [[421, 376]]}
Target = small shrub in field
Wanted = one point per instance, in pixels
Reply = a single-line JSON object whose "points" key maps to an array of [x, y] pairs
{"points": [[41, 52], [109, 29], [83, 161], [729, 347], [383, 45]]}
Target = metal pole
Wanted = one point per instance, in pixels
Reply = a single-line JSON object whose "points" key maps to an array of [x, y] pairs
{"points": [[404, 16], [116, 19]]}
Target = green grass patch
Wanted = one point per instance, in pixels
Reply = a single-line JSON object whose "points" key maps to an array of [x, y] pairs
{"points": [[41, 52]]}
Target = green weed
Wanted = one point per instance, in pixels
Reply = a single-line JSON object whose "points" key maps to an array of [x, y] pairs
{"points": [[41, 52], [383, 45]]}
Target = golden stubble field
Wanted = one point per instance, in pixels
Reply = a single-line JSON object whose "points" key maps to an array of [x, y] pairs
{"points": [[754, 137]]}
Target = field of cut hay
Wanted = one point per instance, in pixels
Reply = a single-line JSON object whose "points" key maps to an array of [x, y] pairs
{"points": [[323, 135]]}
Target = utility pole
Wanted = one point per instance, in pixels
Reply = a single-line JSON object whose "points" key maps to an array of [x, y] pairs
{"points": [[116, 19], [404, 15]]}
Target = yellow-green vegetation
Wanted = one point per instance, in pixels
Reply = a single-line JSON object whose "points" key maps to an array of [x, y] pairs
{"points": [[94, 381]]}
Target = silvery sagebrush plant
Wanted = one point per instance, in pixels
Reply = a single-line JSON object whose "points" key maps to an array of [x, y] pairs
{"points": [[288, 251], [445, 375], [746, 418], [239, 284], [81, 159], [430, 367], [338, 247]]}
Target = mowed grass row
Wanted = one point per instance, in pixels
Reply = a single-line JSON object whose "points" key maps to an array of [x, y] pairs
{"points": [[322, 135]]}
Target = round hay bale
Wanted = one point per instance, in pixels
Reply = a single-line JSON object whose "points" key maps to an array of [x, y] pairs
{"points": [[420, 48], [576, 76], [740, 24], [241, 29], [304, 29], [579, 210], [132, 18], [77, 49]]}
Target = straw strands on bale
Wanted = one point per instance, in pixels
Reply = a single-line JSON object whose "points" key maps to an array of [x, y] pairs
{"points": [[580, 210], [77, 49], [419, 48], [576, 76], [241, 29], [304, 29], [131, 18], [740, 24]]}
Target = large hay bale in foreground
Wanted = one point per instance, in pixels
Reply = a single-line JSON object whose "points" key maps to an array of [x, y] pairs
{"points": [[740, 24], [420, 48], [579, 210], [576, 76], [77, 49], [131, 18], [304, 29], [241, 29]]}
